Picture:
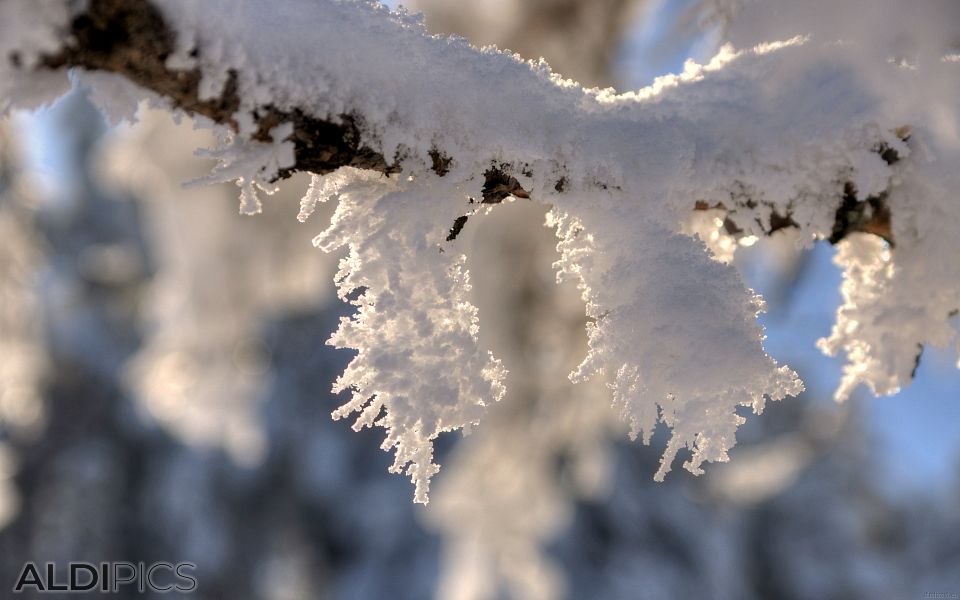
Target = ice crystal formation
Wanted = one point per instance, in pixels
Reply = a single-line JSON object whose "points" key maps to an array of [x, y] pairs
{"points": [[851, 138]]}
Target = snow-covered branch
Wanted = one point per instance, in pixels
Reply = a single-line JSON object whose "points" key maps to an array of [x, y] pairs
{"points": [[133, 39], [823, 136]]}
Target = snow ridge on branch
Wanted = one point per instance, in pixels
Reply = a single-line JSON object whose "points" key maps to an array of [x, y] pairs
{"points": [[797, 134]]}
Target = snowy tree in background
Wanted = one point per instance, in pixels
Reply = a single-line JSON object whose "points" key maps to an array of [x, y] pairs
{"points": [[21, 405], [838, 120], [201, 370]]}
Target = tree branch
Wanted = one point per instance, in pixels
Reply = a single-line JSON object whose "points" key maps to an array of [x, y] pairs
{"points": [[132, 39]]}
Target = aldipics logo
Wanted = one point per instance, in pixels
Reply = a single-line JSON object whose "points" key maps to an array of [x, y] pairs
{"points": [[112, 577]]}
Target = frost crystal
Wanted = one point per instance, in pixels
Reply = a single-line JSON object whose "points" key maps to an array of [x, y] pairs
{"points": [[253, 165], [827, 132], [674, 329], [419, 370]]}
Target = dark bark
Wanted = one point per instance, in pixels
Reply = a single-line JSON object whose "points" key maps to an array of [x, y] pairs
{"points": [[131, 38]]}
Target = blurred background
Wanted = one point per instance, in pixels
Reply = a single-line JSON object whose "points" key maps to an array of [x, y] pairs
{"points": [[164, 388]]}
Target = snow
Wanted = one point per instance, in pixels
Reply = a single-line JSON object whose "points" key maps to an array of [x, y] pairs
{"points": [[778, 126], [252, 164], [663, 310], [415, 329], [27, 30]]}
